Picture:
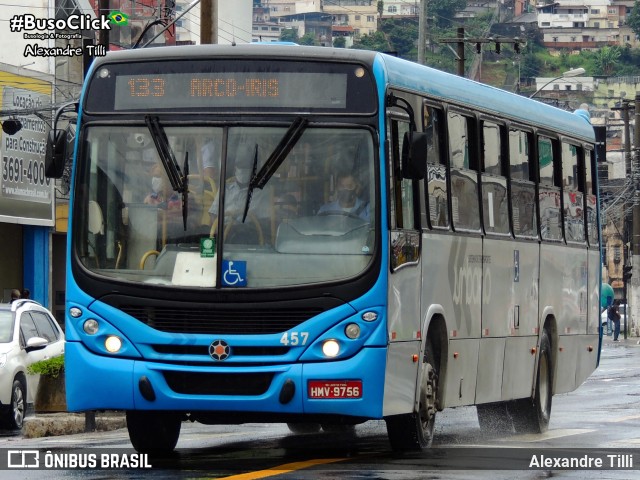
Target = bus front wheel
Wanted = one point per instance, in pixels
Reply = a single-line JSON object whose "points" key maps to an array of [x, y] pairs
{"points": [[531, 415], [414, 431], [153, 432]]}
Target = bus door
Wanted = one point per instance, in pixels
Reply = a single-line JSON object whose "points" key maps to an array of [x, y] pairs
{"points": [[404, 272]]}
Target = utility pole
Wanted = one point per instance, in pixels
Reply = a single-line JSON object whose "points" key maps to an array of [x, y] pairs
{"points": [[460, 42], [208, 21], [636, 201], [422, 33], [103, 9], [628, 219]]}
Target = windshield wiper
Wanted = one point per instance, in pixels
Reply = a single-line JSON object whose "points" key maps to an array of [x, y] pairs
{"points": [[185, 191], [288, 141], [250, 190], [168, 159], [179, 182], [290, 138]]}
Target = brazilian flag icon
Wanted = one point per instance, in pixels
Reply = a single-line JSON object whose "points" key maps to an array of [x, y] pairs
{"points": [[118, 18]]}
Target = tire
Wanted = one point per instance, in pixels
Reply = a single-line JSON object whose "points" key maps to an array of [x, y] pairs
{"points": [[531, 415], [14, 418], [494, 418], [414, 431], [302, 428], [153, 432]]}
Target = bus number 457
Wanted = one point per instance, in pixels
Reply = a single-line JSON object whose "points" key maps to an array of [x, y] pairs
{"points": [[294, 338]]}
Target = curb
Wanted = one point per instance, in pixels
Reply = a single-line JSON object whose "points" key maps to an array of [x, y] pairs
{"points": [[56, 424]]}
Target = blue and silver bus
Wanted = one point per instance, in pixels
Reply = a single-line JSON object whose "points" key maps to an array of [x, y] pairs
{"points": [[321, 237]]}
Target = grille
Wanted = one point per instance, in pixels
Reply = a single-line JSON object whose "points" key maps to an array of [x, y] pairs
{"points": [[220, 321], [204, 350], [193, 383]]}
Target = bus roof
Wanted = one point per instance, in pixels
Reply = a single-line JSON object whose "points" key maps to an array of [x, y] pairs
{"points": [[399, 73], [462, 91]]}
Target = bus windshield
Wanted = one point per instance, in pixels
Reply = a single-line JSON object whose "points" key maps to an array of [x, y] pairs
{"points": [[310, 219]]}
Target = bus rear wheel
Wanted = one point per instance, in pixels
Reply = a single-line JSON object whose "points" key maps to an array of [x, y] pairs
{"points": [[414, 431], [531, 415], [153, 432]]}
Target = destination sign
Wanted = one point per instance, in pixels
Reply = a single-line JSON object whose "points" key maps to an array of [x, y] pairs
{"points": [[225, 85], [233, 89]]}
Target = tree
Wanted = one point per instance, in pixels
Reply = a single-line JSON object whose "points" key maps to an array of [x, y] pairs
{"points": [[289, 35], [606, 60], [402, 35], [375, 41], [308, 39], [339, 42], [443, 11], [633, 19], [531, 64]]}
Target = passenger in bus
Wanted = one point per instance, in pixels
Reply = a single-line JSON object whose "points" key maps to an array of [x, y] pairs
{"points": [[161, 195], [210, 160], [236, 190], [346, 198], [286, 207]]}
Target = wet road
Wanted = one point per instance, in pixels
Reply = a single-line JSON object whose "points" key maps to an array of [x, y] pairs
{"points": [[601, 417]]}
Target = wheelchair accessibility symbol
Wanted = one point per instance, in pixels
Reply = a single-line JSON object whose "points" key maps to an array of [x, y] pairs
{"points": [[234, 273]]}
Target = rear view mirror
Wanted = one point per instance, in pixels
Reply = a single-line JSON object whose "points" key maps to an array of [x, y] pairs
{"points": [[55, 154], [414, 155], [58, 142]]}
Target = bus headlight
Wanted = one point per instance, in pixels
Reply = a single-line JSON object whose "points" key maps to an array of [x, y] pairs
{"points": [[331, 348], [90, 327], [352, 331], [113, 344]]}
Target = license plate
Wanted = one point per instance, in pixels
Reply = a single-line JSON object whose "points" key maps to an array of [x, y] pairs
{"points": [[335, 389]]}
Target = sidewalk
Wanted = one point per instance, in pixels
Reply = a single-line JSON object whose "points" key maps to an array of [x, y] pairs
{"points": [[54, 424], [630, 340]]}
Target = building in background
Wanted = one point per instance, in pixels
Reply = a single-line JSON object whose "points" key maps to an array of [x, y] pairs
{"points": [[26, 196]]}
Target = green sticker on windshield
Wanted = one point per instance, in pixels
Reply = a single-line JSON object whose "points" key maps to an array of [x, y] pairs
{"points": [[207, 247]]}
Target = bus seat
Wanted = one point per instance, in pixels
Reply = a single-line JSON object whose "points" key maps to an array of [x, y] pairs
{"points": [[202, 190], [96, 220]]}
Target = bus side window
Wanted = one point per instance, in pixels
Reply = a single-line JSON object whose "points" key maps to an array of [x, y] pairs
{"points": [[573, 192], [401, 189], [436, 168], [523, 196], [548, 191], [464, 177], [591, 198], [495, 209]]}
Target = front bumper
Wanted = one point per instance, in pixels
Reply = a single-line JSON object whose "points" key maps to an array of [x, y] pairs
{"points": [[105, 383]]}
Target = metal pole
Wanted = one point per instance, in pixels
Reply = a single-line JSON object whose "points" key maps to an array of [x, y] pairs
{"points": [[208, 21], [636, 201], [628, 219], [422, 32], [461, 51], [103, 9]]}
